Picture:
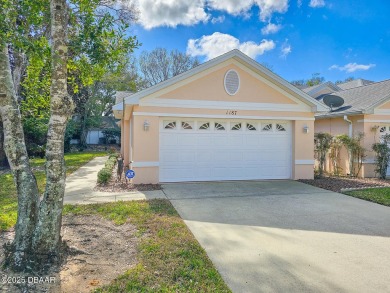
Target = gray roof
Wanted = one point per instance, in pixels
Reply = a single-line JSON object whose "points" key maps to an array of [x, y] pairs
{"points": [[361, 99], [310, 88], [354, 83], [318, 90], [120, 96]]}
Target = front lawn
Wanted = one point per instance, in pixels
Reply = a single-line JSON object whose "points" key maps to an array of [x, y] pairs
{"points": [[377, 195], [169, 257], [8, 198]]}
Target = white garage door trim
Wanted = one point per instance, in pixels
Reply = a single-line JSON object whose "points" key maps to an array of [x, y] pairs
{"points": [[224, 149]]}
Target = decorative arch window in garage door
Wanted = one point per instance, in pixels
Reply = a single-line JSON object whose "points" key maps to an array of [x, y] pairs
{"points": [[170, 124], [187, 125], [225, 149]]}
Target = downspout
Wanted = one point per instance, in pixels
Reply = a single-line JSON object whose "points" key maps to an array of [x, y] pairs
{"points": [[350, 125]]}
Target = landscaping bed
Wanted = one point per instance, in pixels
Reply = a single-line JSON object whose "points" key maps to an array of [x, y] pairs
{"points": [[339, 184], [122, 184], [370, 189]]}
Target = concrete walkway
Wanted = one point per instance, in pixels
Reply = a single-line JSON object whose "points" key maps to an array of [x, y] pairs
{"points": [[80, 184], [285, 236]]}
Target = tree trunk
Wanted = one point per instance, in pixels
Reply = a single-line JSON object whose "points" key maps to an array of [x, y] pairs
{"points": [[16, 152], [18, 71], [47, 239], [3, 157]]}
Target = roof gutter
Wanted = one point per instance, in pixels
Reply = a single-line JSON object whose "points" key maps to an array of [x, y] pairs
{"points": [[350, 125]]}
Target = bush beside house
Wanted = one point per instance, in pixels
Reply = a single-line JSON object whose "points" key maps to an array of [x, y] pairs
{"points": [[105, 174]]}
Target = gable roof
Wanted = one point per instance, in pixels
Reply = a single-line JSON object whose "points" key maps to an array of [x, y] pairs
{"points": [[238, 56], [319, 87], [360, 100], [354, 83]]}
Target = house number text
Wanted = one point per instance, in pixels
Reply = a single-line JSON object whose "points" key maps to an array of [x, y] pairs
{"points": [[230, 112]]}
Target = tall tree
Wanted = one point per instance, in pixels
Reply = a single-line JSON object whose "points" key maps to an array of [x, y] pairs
{"points": [[79, 61], [47, 239], [159, 65]]}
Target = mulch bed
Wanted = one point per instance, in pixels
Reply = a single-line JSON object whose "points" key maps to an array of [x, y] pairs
{"points": [[123, 185], [338, 184]]}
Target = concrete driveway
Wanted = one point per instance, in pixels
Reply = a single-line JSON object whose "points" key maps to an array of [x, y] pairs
{"points": [[285, 236]]}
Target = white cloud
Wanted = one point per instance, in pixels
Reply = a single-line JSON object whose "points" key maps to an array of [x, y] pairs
{"points": [[317, 3], [155, 13], [285, 49], [236, 7], [171, 13], [216, 44], [268, 7], [271, 28], [352, 67], [218, 19], [299, 3]]}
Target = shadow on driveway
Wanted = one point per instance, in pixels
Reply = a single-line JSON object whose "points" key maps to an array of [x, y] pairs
{"points": [[286, 236]]}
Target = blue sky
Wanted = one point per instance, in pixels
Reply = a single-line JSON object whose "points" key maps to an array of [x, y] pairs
{"points": [[336, 38]]}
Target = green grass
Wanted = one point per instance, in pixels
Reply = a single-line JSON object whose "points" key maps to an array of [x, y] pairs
{"points": [[378, 195], [8, 198], [169, 257]]}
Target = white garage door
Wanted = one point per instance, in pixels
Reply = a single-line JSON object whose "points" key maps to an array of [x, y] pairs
{"points": [[207, 150]]}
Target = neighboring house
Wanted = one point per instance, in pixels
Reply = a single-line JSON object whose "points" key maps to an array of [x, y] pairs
{"points": [[366, 109], [96, 135], [227, 119]]}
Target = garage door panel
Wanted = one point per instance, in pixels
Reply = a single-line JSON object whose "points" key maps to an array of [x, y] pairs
{"points": [[186, 140], [168, 139], [224, 154], [220, 140], [185, 156]]}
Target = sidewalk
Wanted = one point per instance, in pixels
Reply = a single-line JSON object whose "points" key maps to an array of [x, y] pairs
{"points": [[80, 184]]}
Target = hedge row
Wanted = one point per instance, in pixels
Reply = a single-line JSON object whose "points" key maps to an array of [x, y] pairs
{"points": [[105, 173]]}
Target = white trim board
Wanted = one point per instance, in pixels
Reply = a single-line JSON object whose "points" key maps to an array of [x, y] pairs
{"points": [[382, 111], [375, 121], [221, 116], [200, 104]]}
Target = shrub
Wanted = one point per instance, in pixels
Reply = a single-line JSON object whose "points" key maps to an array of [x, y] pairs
{"points": [[334, 155], [105, 173], [104, 176], [322, 143], [356, 152], [112, 135], [382, 153], [35, 132]]}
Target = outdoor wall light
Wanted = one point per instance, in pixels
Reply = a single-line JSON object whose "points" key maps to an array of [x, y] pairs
{"points": [[146, 125], [306, 129]]}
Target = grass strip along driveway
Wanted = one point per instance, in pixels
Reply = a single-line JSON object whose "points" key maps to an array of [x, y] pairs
{"points": [[169, 257], [377, 195]]}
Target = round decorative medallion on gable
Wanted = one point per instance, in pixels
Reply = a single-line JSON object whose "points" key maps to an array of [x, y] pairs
{"points": [[232, 82]]}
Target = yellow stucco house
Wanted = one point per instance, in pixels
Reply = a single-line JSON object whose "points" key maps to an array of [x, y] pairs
{"points": [[226, 119], [366, 109]]}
